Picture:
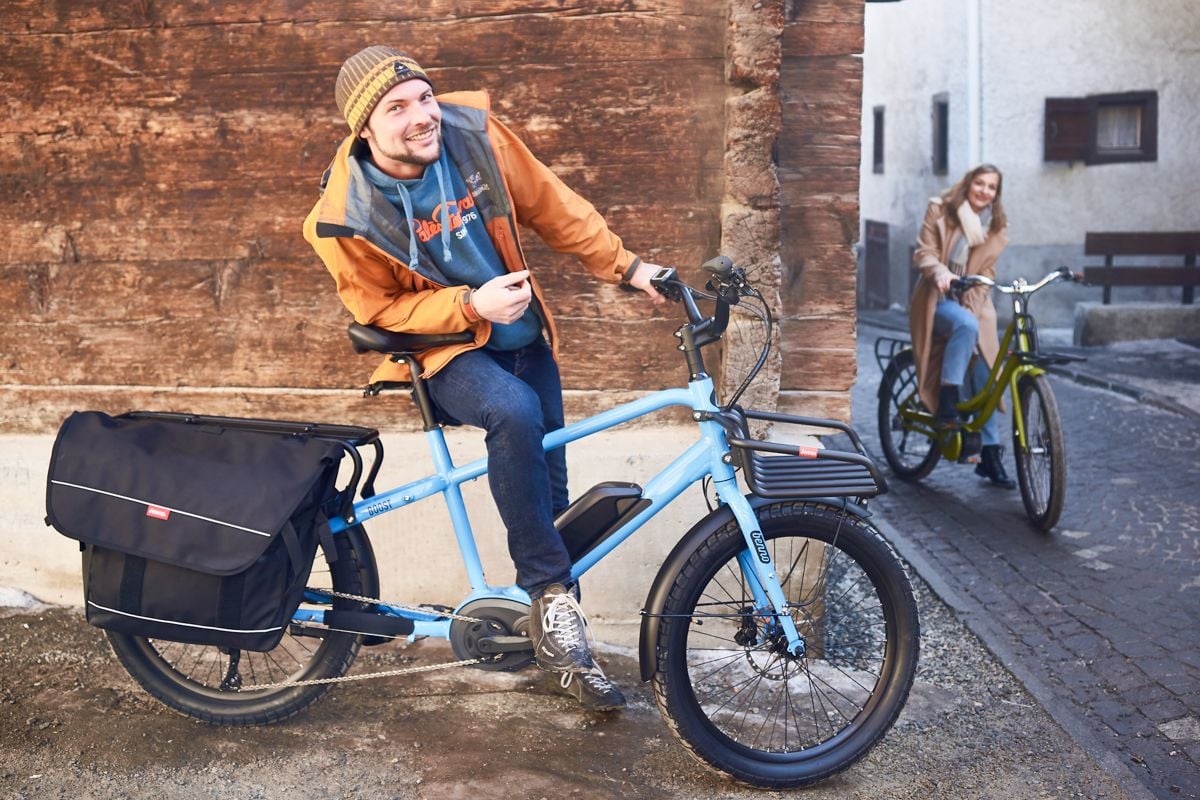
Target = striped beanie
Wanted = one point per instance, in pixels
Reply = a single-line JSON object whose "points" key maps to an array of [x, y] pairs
{"points": [[367, 76]]}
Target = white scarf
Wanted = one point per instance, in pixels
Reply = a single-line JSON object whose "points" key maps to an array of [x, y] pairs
{"points": [[974, 233]]}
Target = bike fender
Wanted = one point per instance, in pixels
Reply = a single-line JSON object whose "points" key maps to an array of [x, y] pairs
{"points": [[656, 600], [366, 558], [357, 536]]}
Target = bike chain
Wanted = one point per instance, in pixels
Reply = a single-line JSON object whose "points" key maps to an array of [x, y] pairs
{"points": [[387, 673], [415, 609]]}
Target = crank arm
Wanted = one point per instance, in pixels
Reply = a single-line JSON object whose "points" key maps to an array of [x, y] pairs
{"points": [[494, 645]]}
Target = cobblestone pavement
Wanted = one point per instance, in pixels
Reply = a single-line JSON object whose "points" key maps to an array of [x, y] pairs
{"points": [[1103, 613]]}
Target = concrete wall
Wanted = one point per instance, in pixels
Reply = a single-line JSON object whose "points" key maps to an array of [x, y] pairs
{"points": [[1029, 51]]}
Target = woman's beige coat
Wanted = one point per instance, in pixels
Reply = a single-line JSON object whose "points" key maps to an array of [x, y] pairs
{"points": [[932, 256]]}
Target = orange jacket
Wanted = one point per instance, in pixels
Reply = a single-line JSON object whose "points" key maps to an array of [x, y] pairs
{"points": [[352, 229]]}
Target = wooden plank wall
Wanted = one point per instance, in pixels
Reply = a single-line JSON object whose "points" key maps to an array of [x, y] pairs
{"points": [[156, 161], [821, 90]]}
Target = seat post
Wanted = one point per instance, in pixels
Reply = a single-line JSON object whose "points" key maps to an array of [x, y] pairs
{"points": [[420, 392]]}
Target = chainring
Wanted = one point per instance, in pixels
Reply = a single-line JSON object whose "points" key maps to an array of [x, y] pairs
{"points": [[496, 617]]}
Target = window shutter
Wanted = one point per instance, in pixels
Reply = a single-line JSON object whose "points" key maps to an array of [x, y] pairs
{"points": [[1067, 129]]}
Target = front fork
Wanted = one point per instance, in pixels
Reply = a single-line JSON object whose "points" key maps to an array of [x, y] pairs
{"points": [[1021, 442], [758, 567]]}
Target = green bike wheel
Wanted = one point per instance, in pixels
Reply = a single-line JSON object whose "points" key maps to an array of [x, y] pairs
{"points": [[911, 455], [1042, 462]]}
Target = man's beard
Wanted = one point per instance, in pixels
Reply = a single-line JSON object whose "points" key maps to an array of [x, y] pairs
{"points": [[407, 156]]}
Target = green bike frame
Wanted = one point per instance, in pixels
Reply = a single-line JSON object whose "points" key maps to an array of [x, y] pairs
{"points": [[1017, 362]]}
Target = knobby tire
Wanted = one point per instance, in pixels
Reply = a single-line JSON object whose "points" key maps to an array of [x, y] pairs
{"points": [[747, 710]]}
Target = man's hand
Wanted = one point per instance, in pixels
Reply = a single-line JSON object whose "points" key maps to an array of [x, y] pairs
{"points": [[641, 280], [504, 298]]}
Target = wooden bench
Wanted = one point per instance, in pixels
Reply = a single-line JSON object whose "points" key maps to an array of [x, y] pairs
{"points": [[1110, 245]]}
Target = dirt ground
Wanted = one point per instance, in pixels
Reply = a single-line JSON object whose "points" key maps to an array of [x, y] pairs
{"points": [[74, 725]]}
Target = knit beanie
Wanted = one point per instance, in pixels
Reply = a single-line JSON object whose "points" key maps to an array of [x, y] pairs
{"points": [[367, 76]]}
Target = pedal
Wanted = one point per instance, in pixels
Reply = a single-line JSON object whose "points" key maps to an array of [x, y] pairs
{"points": [[494, 645], [972, 445]]}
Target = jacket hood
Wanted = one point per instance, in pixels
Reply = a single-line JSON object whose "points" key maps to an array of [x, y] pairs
{"points": [[351, 206]]}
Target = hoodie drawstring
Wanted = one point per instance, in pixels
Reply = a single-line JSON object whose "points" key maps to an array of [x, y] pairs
{"points": [[437, 170], [406, 200], [408, 217]]}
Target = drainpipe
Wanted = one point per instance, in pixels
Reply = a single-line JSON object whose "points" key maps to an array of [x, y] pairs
{"points": [[974, 84]]}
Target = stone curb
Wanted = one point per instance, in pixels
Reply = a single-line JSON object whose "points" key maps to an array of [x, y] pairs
{"points": [[977, 620]]}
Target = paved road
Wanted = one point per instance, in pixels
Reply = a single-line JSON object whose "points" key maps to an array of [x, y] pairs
{"points": [[1104, 612]]}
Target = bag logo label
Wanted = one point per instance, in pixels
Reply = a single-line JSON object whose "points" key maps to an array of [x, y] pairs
{"points": [[158, 512]]}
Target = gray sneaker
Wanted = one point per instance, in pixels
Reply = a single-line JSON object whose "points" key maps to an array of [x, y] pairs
{"points": [[559, 632], [593, 690]]}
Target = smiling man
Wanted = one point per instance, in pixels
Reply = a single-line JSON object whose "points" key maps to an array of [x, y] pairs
{"points": [[417, 223]]}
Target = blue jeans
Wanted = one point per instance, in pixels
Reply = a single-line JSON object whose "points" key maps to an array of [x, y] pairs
{"points": [[961, 330], [516, 396]]}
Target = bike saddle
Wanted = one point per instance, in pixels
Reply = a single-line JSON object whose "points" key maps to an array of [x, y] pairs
{"points": [[368, 337]]}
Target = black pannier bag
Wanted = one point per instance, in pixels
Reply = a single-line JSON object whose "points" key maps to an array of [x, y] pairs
{"points": [[199, 533]]}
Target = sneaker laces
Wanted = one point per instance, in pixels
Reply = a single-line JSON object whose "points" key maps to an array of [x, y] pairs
{"points": [[595, 678], [565, 622]]}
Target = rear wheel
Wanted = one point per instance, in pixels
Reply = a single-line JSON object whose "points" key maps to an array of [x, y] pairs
{"points": [[726, 684], [219, 686], [911, 455], [1042, 462]]}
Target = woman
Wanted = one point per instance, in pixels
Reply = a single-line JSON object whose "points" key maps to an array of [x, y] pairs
{"points": [[954, 340]]}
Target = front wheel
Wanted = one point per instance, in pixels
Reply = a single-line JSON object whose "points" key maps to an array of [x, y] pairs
{"points": [[726, 684], [1042, 462], [238, 687], [911, 455]]}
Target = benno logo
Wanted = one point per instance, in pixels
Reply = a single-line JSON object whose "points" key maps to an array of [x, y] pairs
{"points": [[760, 547]]}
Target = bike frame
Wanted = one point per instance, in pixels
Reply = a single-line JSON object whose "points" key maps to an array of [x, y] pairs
{"points": [[709, 455], [1005, 373]]}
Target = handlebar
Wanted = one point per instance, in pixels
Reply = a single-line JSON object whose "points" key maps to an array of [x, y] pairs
{"points": [[1020, 285], [727, 283], [726, 287]]}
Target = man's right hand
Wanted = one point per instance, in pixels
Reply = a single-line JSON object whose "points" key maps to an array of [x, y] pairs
{"points": [[503, 299]]}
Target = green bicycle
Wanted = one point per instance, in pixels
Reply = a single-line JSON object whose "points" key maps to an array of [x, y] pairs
{"points": [[912, 444]]}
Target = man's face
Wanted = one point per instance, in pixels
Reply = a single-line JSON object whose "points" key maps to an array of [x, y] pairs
{"points": [[404, 130]]}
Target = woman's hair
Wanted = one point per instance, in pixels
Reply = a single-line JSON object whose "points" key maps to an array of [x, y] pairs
{"points": [[956, 195]]}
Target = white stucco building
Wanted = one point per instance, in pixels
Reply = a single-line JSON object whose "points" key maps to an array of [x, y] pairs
{"points": [[952, 83]]}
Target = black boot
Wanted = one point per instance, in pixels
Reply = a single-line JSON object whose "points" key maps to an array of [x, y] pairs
{"points": [[991, 466], [947, 414]]}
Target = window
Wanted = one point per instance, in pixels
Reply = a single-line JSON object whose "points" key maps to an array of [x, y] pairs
{"points": [[941, 134], [877, 143], [1103, 128]]}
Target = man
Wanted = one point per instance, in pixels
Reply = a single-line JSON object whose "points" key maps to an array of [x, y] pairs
{"points": [[417, 223]]}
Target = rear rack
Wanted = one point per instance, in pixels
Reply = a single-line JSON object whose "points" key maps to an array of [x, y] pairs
{"points": [[778, 471], [886, 348], [350, 437]]}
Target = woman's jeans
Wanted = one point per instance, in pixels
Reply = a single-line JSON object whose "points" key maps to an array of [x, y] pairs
{"points": [[516, 396], [961, 330]]}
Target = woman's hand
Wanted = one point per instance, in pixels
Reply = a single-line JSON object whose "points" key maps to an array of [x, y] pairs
{"points": [[942, 279]]}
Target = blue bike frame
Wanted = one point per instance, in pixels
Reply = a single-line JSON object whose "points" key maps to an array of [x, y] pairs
{"points": [[707, 456]]}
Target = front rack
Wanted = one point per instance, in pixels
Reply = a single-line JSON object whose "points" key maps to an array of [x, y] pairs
{"points": [[779, 471]]}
